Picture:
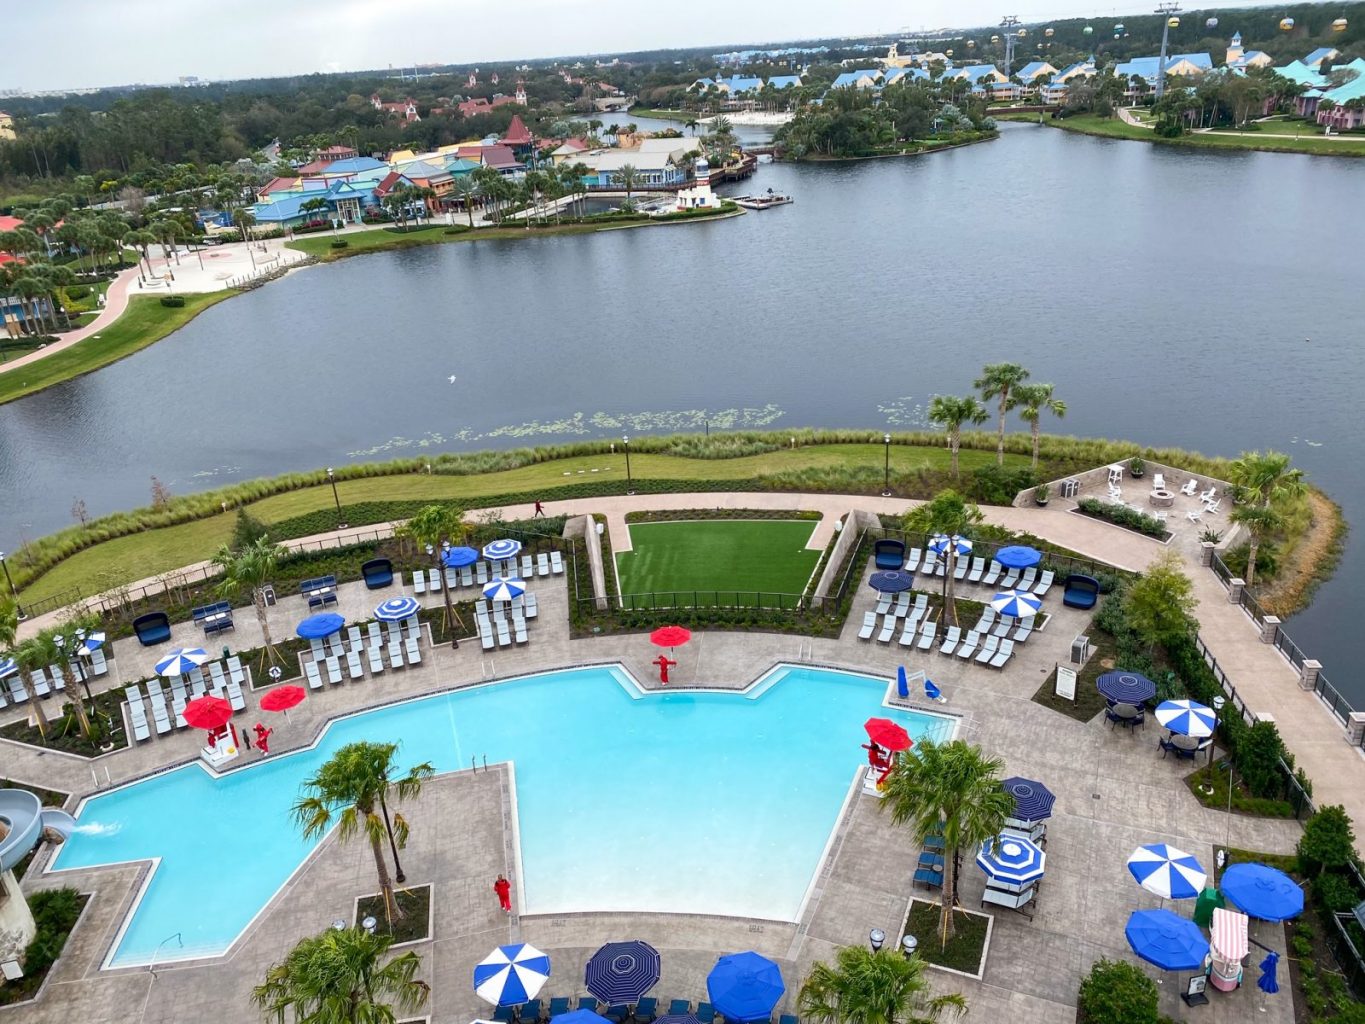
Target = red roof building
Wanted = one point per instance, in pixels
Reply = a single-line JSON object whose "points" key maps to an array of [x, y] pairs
{"points": [[517, 133]]}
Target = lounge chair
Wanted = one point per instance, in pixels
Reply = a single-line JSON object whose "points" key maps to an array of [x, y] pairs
{"points": [[1211, 509], [486, 634], [992, 573], [137, 714], [679, 1007], [419, 581], [316, 649], [414, 652], [1080, 591], [929, 878], [1044, 583], [869, 626], [216, 678], [883, 604], [588, 1003], [17, 692], [452, 578], [372, 634], [988, 648], [504, 635], [950, 642], [529, 1012], [40, 686], [98, 665], [969, 644], [888, 629], [433, 581], [914, 559], [1194, 515], [466, 575], [396, 653], [156, 697], [196, 685], [902, 604], [987, 621], [310, 669], [646, 1009], [927, 635], [1029, 578], [1190, 488], [960, 567], [1024, 631], [532, 607], [353, 666], [528, 567], [908, 632], [978, 569], [556, 563], [333, 669], [1003, 626], [705, 1013], [921, 603], [234, 695], [375, 659], [1011, 577], [519, 627], [178, 702], [1003, 654], [354, 637]]}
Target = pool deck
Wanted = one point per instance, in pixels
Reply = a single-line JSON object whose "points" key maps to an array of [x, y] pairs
{"points": [[1113, 793]]}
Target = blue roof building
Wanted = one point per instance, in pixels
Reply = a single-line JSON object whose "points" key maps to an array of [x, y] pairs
{"points": [[735, 85], [1321, 54], [1177, 64], [785, 81], [863, 78], [1035, 69]]}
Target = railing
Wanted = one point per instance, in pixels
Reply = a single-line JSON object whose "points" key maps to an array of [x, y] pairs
{"points": [[1348, 957], [662, 600], [1062, 565], [1229, 690]]}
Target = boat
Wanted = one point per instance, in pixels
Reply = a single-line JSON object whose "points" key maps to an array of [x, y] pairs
{"points": [[762, 202]]}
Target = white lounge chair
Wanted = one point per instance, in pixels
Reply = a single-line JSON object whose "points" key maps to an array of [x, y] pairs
{"points": [[1003, 625], [504, 636], [969, 644], [466, 576], [353, 668], [557, 563], [481, 573], [992, 573], [1209, 495], [419, 582], [58, 678], [486, 634], [40, 686], [532, 607], [217, 680], [235, 671], [1010, 578], [902, 604], [1027, 580], [960, 567], [987, 621], [434, 581], [452, 578], [888, 629], [884, 604], [156, 697], [869, 626], [373, 635], [316, 649], [354, 638], [1024, 631], [519, 628], [912, 563], [1044, 583], [333, 669], [396, 653], [178, 702], [137, 714], [542, 564], [978, 569], [951, 641], [310, 670], [927, 635], [413, 651], [1003, 654], [98, 665], [988, 649], [375, 659], [907, 637]]}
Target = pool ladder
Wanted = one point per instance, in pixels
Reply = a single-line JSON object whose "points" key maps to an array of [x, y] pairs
{"points": [[474, 763]]}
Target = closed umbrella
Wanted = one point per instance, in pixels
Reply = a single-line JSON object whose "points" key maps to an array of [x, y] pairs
{"points": [[500, 589], [1264, 892], [622, 972], [501, 550], [1186, 717], [510, 975], [459, 557], [1018, 556], [1167, 940], [1012, 859], [324, 624], [940, 542], [181, 660], [1125, 687], [1032, 800], [745, 987], [396, 609], [1170, 873], [1018, 604], [891, 581], [1268, 982]]}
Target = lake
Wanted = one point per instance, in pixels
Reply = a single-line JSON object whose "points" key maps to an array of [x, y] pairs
{"points": [[1207, 300]]}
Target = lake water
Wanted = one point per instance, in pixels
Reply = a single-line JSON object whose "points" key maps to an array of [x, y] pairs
{"points": [[1170, 295]]}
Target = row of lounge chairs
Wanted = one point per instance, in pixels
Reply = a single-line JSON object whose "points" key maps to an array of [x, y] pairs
{"points": [[994, 624], [222, 681], [646, 1010], [401, 641], [991, 651], [482, 572], [929, 870], [987, 649], [502, 625], [46, 680], [992, 574]]}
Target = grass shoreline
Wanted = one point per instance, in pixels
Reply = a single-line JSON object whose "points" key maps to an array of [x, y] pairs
{"points": [[908, 150], [1115, 128]]}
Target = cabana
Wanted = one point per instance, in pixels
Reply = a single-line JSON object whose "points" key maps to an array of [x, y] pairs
{"points": [[152, 628], [377, 572], [1081, 591], [890, 554]]}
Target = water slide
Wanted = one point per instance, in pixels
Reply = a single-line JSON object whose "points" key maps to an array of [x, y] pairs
{"points": [[24, 816]]}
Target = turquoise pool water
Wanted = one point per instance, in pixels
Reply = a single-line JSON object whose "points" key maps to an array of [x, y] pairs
{"points": [[688, 801]]}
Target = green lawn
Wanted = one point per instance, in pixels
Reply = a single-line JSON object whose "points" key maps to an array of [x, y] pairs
{"points": [[140, 555], [718, 555], [1090, 124], [144, 321]]}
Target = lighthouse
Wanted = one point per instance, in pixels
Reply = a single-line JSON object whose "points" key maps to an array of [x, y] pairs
{"points": [[698, 195]]}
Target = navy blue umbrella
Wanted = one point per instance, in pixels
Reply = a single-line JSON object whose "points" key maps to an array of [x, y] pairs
{"points": [[580, 1017], [1267, 982], [458, 558], [891, 581], [745, 987], [622, 972], [1126, 687], [1172, 942], [1032, 800], [315, 627], [1264, 892], [1018, 557], [678, 1018]]}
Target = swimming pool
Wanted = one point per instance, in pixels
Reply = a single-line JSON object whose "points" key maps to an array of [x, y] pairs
{"points": [[741, 788]]}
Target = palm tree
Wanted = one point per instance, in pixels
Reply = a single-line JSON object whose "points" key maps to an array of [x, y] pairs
{"points": [[950, 514], [952, 412], [45, 649], [23, 655], [344, 792], [251, 569], [1033, 400], [467, 188], [338, 977], [998, 380], [954, 790], [630, 177], [1270, 483], [1260, 522], [866, 987], [431, 529], [245, 220]]}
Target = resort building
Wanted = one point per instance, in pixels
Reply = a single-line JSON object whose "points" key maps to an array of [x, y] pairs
{"points": [[905, 75], [1322, 53], [1345, 82], [1035, 70], [568, 150], [1144, 69], [406, 110], [863, 78], [6, 126], [658, 163], [478, 105], [1056, 90], [1241, 59]]}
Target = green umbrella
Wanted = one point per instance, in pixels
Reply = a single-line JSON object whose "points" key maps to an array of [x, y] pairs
{"points": [[1205, 904]]}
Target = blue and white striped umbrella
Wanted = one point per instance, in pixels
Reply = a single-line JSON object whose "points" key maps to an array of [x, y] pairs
{"points": [[92, 642], [1017, 603], [938, 544], [501, 550], [499, 589], [396, 609], [1170, 873], [181, 660], [510, 975], [1187, 717], [8, 666], [1015, 859]]}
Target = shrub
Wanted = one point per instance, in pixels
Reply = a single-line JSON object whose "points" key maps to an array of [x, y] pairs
{"points": [[340, 243], [172, 301], [1267, 560], [997, 485], [54, 913], [1327, 841], [1335, 893], [1258, 758], [1115, 992], [1122, 515]]}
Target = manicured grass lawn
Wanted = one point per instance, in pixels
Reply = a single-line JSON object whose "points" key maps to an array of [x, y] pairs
{"points": [[144, 321], [320, 245], [138, 556], [718, 555], [1090, 124]]}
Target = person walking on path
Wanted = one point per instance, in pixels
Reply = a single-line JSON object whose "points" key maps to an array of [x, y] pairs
{"points": [[504, 890], [540, 510]]}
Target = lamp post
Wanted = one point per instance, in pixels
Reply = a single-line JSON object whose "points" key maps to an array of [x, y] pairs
{"points": [[336, 499], [909, 946], [630, 483], [876, 938], [10, 580], [886, 467], [1218, 703]]}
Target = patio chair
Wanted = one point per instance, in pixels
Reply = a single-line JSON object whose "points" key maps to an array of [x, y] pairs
{"points": [[333, 669], [1024, 631], [558, 1005], [40, 686], [527, 567], [1168, 746], [951, 641], [505, 1014], [1029, 578], [1209, 495], [930, 859], [588, 1003], [419, 582], [1002, 654], [907, 637], [987, 621], [1211, 509], [1191, 486], [16, 689], [868, 627], [310, 669], [234, 695], [466, 576], [413, 650], [376, 661], [902, 606], [921, 603], [645, 1010], [1158, 482], [969, 644], [434, 581], [883, 604], [1011, 900], [137, 714], [888, 629], [556, 563], [529, 1011], [316, 649], [1011, 577], [788, 1018], [353, 668], [960, 568], [978, 568], [913, 561], [98, 665], [396, 653], [504, 635], [705, 1013], [1194, 515], [235, 670], [216, 676], [156, 697], [679, 1007], [992, 573], [927, 635], [929, 878], [452, 578], [178, 702], [1003, 625], [481, 573], [988, 648], [1044, 583], [485, 634], [354, 638]]}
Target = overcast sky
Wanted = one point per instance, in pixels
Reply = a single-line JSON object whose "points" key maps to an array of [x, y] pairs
{"points": [[80, 43]]}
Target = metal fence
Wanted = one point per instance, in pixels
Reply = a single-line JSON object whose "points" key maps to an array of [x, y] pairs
{"points": [[1229, 690], [663, 600], [1348, 957], [1061, 564]]}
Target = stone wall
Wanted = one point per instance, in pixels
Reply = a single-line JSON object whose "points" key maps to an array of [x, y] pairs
{"points": [[1096, 480], [855, 522], [585, 527]]}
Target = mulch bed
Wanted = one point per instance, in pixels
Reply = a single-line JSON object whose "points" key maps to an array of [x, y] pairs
{"points": [[415, 905]]}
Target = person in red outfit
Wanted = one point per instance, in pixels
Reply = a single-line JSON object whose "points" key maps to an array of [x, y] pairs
{"points": [[665, 663], [504, 890], [263, 738]]}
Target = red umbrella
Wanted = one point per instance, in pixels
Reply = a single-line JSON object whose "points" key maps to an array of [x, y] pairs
{"points": [[670, 636], [208, 713], [886, 733], [283, 698]]}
